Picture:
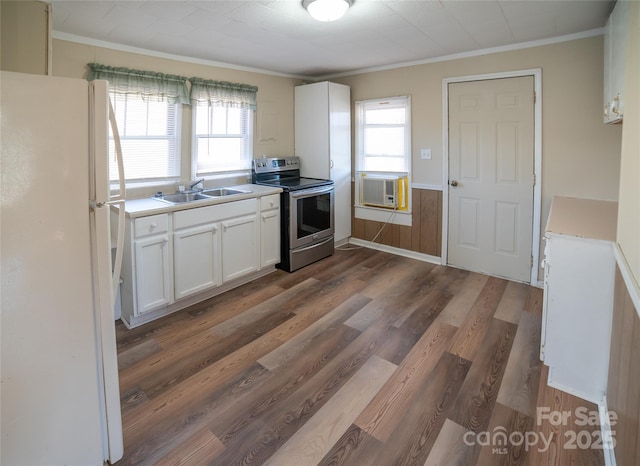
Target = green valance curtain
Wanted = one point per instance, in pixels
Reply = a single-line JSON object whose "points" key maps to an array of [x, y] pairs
{"points": [[174, 89], [160, 86], [223, 93]]}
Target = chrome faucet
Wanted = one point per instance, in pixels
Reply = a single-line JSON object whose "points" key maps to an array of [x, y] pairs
{"points": [[191, 186]]}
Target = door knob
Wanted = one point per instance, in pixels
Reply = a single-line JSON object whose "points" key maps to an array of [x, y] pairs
{"points": [[453, 183]]}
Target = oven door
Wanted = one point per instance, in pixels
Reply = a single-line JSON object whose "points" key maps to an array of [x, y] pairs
{"points": [[311, 215]]}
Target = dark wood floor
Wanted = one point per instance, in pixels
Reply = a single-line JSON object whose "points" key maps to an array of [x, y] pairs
{"points": [[363, 358]]}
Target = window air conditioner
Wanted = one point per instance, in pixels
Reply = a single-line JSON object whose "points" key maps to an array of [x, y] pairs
{"points": [[379, 191]]}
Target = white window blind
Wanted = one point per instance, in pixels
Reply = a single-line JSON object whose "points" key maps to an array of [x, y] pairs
{"points": [[223, 125], [222, 137], [383, 135], [150, 137]]}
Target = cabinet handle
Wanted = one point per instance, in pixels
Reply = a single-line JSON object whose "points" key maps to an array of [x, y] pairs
{"points": [[152, 226]]}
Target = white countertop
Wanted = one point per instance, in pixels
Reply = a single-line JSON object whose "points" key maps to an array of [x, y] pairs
{"points": [[150, 206], [585, 218]]}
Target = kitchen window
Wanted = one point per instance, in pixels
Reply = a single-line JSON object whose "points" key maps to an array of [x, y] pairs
{"points": [[149, 106], [222, 139], [150, 138], [383, 160], [222, 126], [383, 135], [148, 109]]}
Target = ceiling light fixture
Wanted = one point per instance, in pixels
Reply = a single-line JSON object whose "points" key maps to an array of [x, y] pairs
{"points": [[326, 10]]}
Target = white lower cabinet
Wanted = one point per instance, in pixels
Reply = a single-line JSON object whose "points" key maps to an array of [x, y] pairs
{"points": [[153, 273], [269, 230], [173, 260], [239, 247], [578, 295], [147, 270], [196, 257]]}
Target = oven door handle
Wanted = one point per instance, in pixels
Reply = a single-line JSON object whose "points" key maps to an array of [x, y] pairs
{"points": [[314, 245], [311, 192]]}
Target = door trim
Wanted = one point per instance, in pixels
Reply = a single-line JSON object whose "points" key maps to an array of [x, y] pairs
{"points": [[536, 73]]}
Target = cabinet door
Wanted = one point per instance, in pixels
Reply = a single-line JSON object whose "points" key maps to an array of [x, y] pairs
{"points": [[269, 237], [239, 247], [340, 154], [577, 316], [196, 258], [153, 273], [615, 40], [619, 28], [311, 113]]}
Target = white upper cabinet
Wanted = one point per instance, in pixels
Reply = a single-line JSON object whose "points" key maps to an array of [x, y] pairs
{"points": [[323, 143], [615, 40]]}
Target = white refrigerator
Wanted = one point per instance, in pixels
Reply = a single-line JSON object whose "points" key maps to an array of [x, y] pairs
{"points": [[59, 399]]}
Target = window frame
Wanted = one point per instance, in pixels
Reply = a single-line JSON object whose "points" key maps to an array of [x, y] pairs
{"points": [[174, 139], [246, 135], [393, 102], [401, 217]]}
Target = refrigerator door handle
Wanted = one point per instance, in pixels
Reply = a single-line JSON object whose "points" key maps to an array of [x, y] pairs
{"points": [[119, 201], [118, 147], [117, 264]]}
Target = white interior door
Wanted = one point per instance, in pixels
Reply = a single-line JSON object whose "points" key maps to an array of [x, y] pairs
{"points": [[491, 176]]}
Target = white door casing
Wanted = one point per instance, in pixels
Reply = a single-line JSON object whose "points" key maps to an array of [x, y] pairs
{"points": [[491, 176]]}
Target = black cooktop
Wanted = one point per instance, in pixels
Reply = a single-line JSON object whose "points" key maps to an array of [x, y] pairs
{"points": [[283, 172], [295, 183]]}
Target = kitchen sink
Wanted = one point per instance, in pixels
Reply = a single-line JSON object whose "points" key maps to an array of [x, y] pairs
{"points": [[218, 192], [180, 198]]}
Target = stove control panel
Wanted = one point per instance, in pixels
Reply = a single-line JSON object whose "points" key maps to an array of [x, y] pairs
{"points": [[275, 164]]}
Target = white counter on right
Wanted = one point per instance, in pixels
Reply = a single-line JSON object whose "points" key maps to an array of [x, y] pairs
{"points": [[578, 295]]}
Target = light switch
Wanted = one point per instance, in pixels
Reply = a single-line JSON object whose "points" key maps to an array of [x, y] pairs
{"points": [[425, 154]]}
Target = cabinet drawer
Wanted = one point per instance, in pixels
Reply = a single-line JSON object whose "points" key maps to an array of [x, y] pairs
{"points": [[213, 213], [270, 202], [152, 225]]}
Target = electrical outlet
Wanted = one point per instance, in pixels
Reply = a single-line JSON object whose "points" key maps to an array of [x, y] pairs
{"points": [[425, 154]]}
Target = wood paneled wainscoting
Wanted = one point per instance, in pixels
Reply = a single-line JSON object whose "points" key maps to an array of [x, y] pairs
{"points": [[623, 390], [423, 236]]}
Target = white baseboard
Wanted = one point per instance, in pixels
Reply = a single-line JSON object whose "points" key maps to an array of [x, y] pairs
{"points": [[607, 434], [341, 242], [397, 251]]}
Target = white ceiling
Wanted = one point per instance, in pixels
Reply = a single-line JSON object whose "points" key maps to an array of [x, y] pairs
{"points": [[279, 35]]}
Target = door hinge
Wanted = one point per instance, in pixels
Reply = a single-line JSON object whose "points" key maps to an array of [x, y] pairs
{"points": [[534, 179], [531, 261], [535, 97]]}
